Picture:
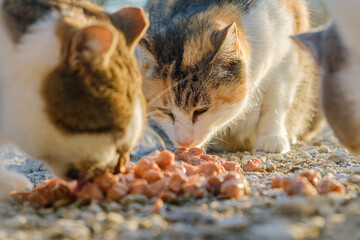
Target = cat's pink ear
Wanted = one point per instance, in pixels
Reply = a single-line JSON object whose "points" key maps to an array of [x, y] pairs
{"points": [[233, 45], [92, 43], [133, 23], [145, 55]]}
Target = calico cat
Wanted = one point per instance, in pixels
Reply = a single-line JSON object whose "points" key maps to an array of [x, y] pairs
{"points": [[227, 72], [337, 51], [70, 85]]}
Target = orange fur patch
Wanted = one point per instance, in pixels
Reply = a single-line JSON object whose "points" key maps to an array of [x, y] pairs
{"points": [[300, 13], [226, 15], [157, 94], [196, 48], [229, 95], [220, 18]]}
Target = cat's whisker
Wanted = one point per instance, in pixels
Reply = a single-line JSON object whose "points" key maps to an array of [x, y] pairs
{"points": [[91, 171], [220, 139]]}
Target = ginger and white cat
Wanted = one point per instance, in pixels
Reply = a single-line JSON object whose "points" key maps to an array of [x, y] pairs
{"points": [[70, 86], [228, 73], [337, 51]]}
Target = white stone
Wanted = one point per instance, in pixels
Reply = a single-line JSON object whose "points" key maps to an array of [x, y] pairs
{"points": [[355, 170], [276, 157], [233, 223], [277, 230], [313, 152], [338, 157]]}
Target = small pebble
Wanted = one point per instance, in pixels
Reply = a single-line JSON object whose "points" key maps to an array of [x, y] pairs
{"points": [[323, 149], [69, 229], [341, 175], [295, 205], [246, 158], [355, 170], [115, 218], [17, 221], [94, 207], [277, 230], [233, 223], [130, 225], [276, 157], [354, 179], [234, 159], [306, 155], [313, 152], [270, 166], [338, 157], [331, 171]]}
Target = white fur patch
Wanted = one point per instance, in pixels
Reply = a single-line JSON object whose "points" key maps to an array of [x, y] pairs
{"points": [[135, 128]]}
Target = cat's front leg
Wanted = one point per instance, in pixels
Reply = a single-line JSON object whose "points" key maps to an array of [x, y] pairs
{"points": [[271, 135], [271, 132], [280, 89]]}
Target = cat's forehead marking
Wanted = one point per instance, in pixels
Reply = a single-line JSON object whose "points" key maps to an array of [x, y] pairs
{"points": [[189, 94], [196, 49], [230, 94]]}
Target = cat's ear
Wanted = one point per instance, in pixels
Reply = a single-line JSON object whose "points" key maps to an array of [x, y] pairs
{"points": [[312, 42], [93, 43], [144, 54], [133, 22], [230, 45]]}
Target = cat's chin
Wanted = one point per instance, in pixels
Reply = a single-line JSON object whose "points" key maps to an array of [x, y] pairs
{"points": [[200, 143]]}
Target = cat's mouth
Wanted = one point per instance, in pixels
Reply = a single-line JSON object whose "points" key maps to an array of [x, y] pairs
{"points": [[189, 143]]}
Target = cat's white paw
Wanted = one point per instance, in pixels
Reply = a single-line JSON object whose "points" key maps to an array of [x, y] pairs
{"points": [[272, 143], [11, 181]]}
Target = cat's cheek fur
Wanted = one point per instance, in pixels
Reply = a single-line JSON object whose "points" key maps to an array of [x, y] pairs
{"points": [[208, 124]]}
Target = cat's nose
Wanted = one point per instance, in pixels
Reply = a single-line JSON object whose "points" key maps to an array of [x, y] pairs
{"points": [[185, 142]]}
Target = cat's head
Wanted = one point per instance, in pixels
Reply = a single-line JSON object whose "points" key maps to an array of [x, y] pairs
{"points": [[84, 110], [339, 65], [195, 79]]}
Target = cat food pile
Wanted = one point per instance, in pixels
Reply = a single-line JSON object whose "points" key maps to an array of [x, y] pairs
{"points": [[157, 175], [307, 182]]}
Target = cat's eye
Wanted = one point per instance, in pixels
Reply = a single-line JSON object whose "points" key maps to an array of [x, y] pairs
{"points": [[198, 112], [168, 112]]}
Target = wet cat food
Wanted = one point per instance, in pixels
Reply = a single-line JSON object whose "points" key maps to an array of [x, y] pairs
{"points": [[157, 175], [307, 182]]}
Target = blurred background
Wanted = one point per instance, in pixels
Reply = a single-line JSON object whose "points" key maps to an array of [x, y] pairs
{"points": [[319, 14]]}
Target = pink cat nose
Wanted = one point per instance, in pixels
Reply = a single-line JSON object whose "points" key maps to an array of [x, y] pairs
{"points": [[185, 142]]}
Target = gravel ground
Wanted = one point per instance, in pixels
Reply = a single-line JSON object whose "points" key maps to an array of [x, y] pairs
{"points": [[263, 214]]}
